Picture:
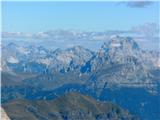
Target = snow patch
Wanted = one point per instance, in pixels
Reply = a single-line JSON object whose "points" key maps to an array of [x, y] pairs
{"points": [[22, 50], [115, 44], [45, 61], [12, 60]]}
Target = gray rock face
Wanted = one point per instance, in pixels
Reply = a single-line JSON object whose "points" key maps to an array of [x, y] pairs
{"points": [[71, 58], [120, 50], [121, 62], [31, 59]]}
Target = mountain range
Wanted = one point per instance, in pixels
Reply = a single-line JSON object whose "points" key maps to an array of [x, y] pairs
{"points": [[120, 72]]}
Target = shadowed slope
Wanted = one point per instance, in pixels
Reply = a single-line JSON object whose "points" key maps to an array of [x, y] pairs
{"points": [[71, 106]]}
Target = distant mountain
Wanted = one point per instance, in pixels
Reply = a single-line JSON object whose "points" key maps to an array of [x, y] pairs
{"points": [[121, 62], [70, 59], [71, 106], [39, 59]]}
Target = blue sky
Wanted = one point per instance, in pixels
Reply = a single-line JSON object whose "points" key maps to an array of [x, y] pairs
{"points": [[87, 16]]}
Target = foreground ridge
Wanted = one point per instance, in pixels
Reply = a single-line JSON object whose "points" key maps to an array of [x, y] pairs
{"points": [[71, 106]]}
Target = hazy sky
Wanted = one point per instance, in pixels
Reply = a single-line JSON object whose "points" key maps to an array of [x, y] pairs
{"points": [[94, 16]]}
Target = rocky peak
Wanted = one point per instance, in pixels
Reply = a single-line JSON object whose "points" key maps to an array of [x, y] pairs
{"points": [[118, 48], [122, 43]]}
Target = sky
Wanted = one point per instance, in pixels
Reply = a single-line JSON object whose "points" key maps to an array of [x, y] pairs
{"points": [[37, 21], [86, 16]]}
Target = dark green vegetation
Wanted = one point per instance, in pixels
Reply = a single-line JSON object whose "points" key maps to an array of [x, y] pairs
{"points": [[71, 106]]}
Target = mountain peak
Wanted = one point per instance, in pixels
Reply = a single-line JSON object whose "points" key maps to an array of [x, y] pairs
{"points": [[120, 45], [122, 42], [118, 50]]}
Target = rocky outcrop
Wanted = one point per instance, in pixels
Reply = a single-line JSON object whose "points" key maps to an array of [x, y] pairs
{"points": [[4, 115]]}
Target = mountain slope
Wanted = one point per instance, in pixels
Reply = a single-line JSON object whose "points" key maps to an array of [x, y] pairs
{"points": [[71, 106]]}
